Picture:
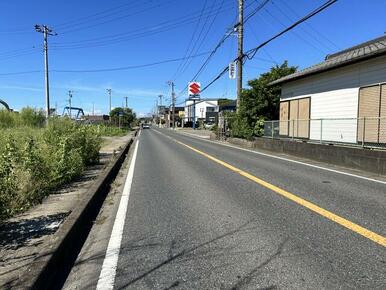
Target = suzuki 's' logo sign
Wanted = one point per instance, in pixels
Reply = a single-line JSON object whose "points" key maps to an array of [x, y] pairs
{"points": [[194, 88]]}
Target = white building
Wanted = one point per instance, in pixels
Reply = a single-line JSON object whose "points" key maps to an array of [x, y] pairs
{"points": [[349, 86], [202, 107]]}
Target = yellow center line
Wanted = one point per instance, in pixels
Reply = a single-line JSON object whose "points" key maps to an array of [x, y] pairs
{"points": [[377, 238]]}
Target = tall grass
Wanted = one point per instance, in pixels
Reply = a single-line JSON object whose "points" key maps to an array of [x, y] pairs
{"points": [[35, 159]]}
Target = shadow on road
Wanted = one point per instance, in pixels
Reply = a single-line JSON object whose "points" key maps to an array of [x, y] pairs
{"points": [[206, 251]]}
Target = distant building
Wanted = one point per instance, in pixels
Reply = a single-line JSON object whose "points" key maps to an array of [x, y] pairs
{"points": [[202, 107], [349, 84], [96, 119], [177, 116], [208, 110]]}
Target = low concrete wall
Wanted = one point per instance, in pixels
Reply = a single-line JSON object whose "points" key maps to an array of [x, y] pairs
{"points": [[356, 158], [51, 267]]}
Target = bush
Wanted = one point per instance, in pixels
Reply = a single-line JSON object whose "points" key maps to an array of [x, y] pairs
{"points": [[104, 130], [35, 160]]}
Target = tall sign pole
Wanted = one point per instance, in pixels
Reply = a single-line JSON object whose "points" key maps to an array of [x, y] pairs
{"points": [[194, 89], [46, 31], [240, 52]]}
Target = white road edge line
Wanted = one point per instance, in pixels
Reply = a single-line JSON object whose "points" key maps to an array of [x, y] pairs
{"points": [[288, 160], [110, 263]]}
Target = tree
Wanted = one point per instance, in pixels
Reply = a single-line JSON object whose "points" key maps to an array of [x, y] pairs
{"points": [[259, 102], [127, 116]]}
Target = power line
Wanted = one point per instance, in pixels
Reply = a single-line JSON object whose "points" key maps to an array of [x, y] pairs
{"points": [[328, 48], [222, 40], [115, 18], [88, 18], [312, 27], [20, 73], [299, 36], [133, 34], [106, 69], [252, 52], [128, 67], [191, 40], [205, 35]]}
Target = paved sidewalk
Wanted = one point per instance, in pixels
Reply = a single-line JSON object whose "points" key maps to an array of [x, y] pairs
{"points": [[205, 134]]}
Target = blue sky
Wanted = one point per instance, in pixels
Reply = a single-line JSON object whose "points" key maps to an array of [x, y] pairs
{"points": [[96, 34]]}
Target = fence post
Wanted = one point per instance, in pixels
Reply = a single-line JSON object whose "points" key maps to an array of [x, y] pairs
{"points": [[321, 131], [363, 131], [272, 129], [293, 129]]}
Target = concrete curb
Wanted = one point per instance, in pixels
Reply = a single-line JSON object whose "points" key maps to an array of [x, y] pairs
{"points": [[373, 161], [51, 267]]}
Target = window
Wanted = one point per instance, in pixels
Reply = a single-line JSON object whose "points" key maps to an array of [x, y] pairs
{"points": [[210, 109]]}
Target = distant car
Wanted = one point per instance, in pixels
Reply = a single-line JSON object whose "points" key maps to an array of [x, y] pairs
{"points": [[208, 125], [145, 126]]}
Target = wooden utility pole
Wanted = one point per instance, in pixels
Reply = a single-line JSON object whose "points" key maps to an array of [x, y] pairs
{"points": [[240, 52]]}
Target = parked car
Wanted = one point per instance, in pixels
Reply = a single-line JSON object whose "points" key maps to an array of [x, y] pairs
{"points": [[208, 125]]}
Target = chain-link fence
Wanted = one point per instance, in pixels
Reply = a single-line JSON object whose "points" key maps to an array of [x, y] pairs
{"points": [[365, 132]]}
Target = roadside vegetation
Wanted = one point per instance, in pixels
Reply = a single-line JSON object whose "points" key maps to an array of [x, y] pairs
{"points": [[258, 103], [36, 158]]}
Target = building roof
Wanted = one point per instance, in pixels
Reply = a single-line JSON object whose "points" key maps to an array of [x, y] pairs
{"points": [[361, 52]]}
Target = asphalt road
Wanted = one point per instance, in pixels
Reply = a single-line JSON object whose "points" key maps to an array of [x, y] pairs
{"points": [[193, 223]]}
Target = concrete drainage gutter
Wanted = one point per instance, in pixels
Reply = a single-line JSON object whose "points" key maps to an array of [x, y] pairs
{"points": [[52, 266]]}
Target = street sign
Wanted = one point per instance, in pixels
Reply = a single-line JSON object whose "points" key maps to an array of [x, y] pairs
{"points": [[194, 98], [194, 88], [232, 70]]}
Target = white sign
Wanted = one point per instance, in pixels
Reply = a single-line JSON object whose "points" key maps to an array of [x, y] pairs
{"points": [[232, 70]]}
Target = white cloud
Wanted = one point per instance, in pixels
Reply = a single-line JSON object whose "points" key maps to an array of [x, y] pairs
{"points": [[23, 88]]}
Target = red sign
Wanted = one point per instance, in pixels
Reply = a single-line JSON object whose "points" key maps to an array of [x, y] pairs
{"points": [[194, 88]]}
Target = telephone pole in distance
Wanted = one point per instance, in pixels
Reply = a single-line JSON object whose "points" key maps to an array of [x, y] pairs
{"points": [[109, 92], [171, 83], [69, 101], [159, 110], [126, 102], [46, 31]]}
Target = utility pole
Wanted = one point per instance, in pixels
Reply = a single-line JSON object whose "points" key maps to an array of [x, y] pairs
{"points": [[93, 111], [156, 112], [171, 83], [69, 101], [240, 52], [46, 31], [109, 92], [126, 102], [160, 101]]}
